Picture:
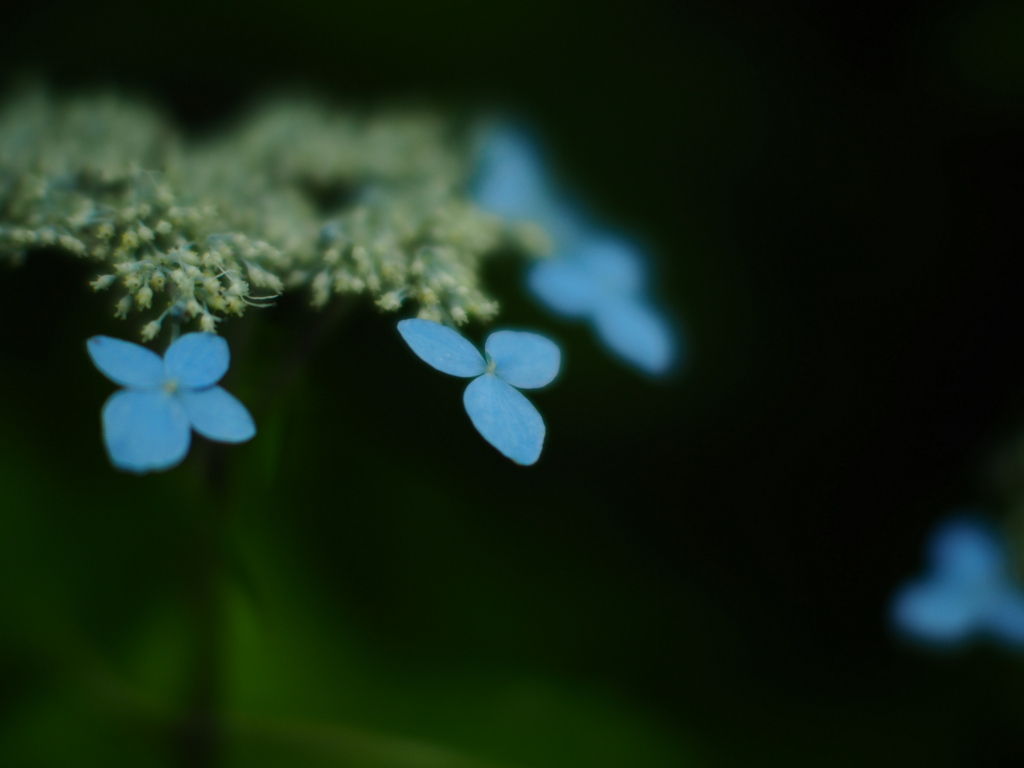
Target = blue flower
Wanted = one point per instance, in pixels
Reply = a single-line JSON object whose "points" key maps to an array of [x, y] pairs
{"points": [[593, 275], [511, 180], [148, 425], [515, 360], [602, 279], [968, 593]]}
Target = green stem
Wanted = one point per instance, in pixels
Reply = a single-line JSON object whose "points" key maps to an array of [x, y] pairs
{"points": [[304, 350], [199, 735]]}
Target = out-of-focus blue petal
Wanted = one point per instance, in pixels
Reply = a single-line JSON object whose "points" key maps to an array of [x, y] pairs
{"points": [[145, 430], [505, 418], [218, 415], [565, 286], [524, 360], [967, 549], [442, 347], [1005, 619], [637, 333], [935, 613], [510, 179], [615, 265], [125, 363], [197, 360], [564, 223]]}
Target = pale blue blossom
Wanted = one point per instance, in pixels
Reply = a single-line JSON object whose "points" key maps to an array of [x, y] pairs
{"points": [[968, 592], [514, 360], [512, 181], [603, 279], [147, 426], [592, 275]]}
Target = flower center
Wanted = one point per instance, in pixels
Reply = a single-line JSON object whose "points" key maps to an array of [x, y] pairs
{"points": [[171, 386]]}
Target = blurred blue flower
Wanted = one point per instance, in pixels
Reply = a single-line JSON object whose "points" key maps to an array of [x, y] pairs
{"points": [[148, 425], [592, 275], [515, 360], [969, 591]]}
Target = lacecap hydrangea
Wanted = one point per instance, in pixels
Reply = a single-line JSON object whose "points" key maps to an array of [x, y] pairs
{"points": [[397, 206]]}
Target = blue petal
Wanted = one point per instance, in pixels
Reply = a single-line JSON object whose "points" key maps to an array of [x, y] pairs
{"points": [[967, 549], [934, 612], [1005, 618], [442, 348], [217, 414], [524, 360], [637, 333], [512, 181], [505, 418], [614, 264], [510, 177], [145, 430], [125, 363], [197, 360], [565, 286]]}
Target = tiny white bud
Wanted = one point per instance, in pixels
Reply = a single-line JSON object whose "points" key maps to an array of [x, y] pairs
{"points": [[429, 313], [123, 306], [144, 297], [72, 244], [389, 301], [103, 282], [321, 289], [150, 330], [273, 282], [183, 283]]}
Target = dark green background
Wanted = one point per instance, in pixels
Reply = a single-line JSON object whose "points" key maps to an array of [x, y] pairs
{"points": [[696, 573]]}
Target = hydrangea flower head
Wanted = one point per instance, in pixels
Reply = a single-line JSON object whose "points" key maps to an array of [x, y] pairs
{"points": [[515, 360], [592, 275], [147, 426], [968, 592]]}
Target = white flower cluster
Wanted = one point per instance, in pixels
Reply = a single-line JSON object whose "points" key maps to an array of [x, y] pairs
{"points": [[295, 196]]}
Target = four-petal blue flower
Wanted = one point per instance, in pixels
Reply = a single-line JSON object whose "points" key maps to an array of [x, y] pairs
{"points": [[969, 592], [148, 425], [593, 275], [515, 360]]}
